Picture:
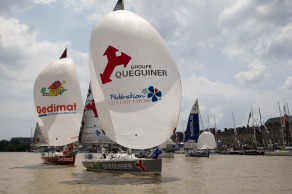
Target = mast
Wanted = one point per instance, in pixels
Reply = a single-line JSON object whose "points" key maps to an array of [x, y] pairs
{"points": [[254, 132], [235, 132], [281, 120], [201, 120], [215, 129], [261, 124], [182, 122], [289, 124], [208, 123]]}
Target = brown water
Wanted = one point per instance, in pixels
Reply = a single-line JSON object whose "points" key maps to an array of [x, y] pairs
{"points": [[25, 173]]}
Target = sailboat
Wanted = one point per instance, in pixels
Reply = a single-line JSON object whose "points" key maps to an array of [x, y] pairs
{"points": [[193, 128], [206, 141], [58, 104], [167, 148], [287, 151], [91, 132], [39, 142], [192, 134], [136, 88]]}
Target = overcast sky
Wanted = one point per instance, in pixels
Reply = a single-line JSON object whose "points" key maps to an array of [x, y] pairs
{"points": [[232, 55]]}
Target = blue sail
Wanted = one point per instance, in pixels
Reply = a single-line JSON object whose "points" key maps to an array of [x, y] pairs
{"points": [[193, 128]]}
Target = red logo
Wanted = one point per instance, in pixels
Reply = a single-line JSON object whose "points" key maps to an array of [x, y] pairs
{"points": [[139, 164], [91, 106], [113, 61]]}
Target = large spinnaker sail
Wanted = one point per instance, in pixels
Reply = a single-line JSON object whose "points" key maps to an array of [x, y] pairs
{"points": [[135, 82], [193, 127], [91, 132], [58, 102], [38, 138]]}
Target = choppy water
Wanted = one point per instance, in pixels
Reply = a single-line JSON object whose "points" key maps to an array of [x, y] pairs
{"points": [[25, 173]]}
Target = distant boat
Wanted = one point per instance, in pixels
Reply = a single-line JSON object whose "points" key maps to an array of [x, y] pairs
{"points": [[91, 132], [137, 93], [192, 134], [167, 148], [58, 103], [206, 141], [279, 153], [39, 142], [287, 151]]}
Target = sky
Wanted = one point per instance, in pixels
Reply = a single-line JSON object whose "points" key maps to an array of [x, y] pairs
{"points": [[234, 56]]}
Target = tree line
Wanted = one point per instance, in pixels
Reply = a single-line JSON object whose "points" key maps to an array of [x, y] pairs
{"points": [[14, 145]]}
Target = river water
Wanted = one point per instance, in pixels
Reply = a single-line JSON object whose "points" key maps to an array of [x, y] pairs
{"points": [[25, 173]]}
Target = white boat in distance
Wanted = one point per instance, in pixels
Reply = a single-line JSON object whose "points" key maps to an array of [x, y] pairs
{"points": [[137, 93]]}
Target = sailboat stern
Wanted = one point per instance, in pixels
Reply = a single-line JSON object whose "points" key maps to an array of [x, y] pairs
{"points": [[60, 160], [138, 165]]}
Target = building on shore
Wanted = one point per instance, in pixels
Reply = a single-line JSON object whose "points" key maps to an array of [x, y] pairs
{"points": [[275, 131]]}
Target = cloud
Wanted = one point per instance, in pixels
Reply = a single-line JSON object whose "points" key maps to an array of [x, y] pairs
{"points": [[14, 5], [6, 7], [277, 44], [287, 85], [255, 74]]}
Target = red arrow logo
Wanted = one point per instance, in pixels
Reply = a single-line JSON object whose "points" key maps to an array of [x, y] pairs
{"points": [[139, 164], [91, 106], [113, 61]]}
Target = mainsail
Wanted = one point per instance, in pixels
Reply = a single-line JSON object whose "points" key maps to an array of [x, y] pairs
{"points": [[193, 128], [58, 102], [38, 138], [91, 132], [135, 82]]}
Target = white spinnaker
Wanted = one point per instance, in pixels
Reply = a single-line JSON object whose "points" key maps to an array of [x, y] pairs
{"points": [[127, 114], [59, 109], [206, 141]]}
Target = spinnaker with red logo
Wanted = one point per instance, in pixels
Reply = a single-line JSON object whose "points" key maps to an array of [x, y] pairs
{"points": [[136, 88], [135, 82], [58, 104]]}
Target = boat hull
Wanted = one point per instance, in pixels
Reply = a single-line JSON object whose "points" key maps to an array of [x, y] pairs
{"points": [[166, 155], [59, 160], [279, 153], [197, 154], [138, 165]]}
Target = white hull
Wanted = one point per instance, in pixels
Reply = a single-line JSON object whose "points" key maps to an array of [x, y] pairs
{"points": [[166, 155]]}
